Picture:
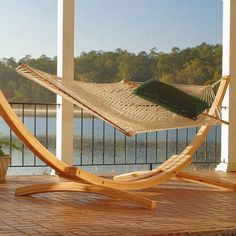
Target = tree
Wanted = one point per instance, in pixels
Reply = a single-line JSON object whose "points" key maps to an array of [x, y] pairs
{"points": [[196, 65]]}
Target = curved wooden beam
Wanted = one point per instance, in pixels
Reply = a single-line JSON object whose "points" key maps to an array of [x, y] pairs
{"points": [[190, 149], [10, 117], [172, 163], [74, 173], [86, 188], [77, 174], [179, 166]]}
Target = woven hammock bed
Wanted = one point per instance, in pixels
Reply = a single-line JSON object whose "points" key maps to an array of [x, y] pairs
{"points": [[116, 104], [130, 114]]}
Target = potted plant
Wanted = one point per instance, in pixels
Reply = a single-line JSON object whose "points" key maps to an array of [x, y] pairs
{"points": [[5, 158]]}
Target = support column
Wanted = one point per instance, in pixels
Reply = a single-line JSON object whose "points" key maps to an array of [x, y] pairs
{"points": [[65, 70], [228, 135]]}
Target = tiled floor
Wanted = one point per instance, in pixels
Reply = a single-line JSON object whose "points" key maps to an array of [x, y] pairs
{"points": [[184, 208]]}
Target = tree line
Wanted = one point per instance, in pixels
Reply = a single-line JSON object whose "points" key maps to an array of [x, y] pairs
{"points": [[196, 65]]}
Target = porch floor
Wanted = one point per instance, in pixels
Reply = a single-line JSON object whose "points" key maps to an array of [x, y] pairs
{"points": [[183, 208]]}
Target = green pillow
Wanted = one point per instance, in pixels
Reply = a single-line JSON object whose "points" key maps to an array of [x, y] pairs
{"points": [[171, 98]]}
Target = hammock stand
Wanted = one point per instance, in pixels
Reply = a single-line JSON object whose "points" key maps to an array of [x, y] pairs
{"points": [[120, 184]]}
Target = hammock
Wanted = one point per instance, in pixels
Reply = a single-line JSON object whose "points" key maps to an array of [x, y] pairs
{"points": [[116, 104], [116, 187]]}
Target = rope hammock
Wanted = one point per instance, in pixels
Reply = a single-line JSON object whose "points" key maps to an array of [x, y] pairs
{"points": [[117, 104]]}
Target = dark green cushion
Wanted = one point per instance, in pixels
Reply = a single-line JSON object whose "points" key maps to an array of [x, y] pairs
{"points": [[171, 98]]}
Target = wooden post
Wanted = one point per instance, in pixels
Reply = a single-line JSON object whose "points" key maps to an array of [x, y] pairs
{"points": [[65, 69], [228, 138]]}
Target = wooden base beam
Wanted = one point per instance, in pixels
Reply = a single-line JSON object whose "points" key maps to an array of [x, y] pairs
{"points": [[86, 188], [213, 180]]}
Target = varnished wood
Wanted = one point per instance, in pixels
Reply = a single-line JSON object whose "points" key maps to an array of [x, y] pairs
{"points": [[86, 188], [39, 150], [181, 207], [28, 138], [168, 165], [151, 181], [76, 173], [145, 180], [207, 180], [191, 148]]}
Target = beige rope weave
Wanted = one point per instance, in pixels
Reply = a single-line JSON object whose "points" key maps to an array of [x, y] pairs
{"points": [[116, 104]]}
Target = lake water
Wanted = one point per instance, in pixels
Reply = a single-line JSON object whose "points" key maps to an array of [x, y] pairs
{"points": [[96, 144]]}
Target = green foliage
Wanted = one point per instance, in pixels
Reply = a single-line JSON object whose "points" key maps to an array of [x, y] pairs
{"points": [[196, 65], [18, 89], [6, 144]]}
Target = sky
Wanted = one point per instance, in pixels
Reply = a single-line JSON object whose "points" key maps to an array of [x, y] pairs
{"points": [[29, 27]]}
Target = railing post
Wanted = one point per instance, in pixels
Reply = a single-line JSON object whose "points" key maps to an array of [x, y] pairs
{"points": [[150, 166]]}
